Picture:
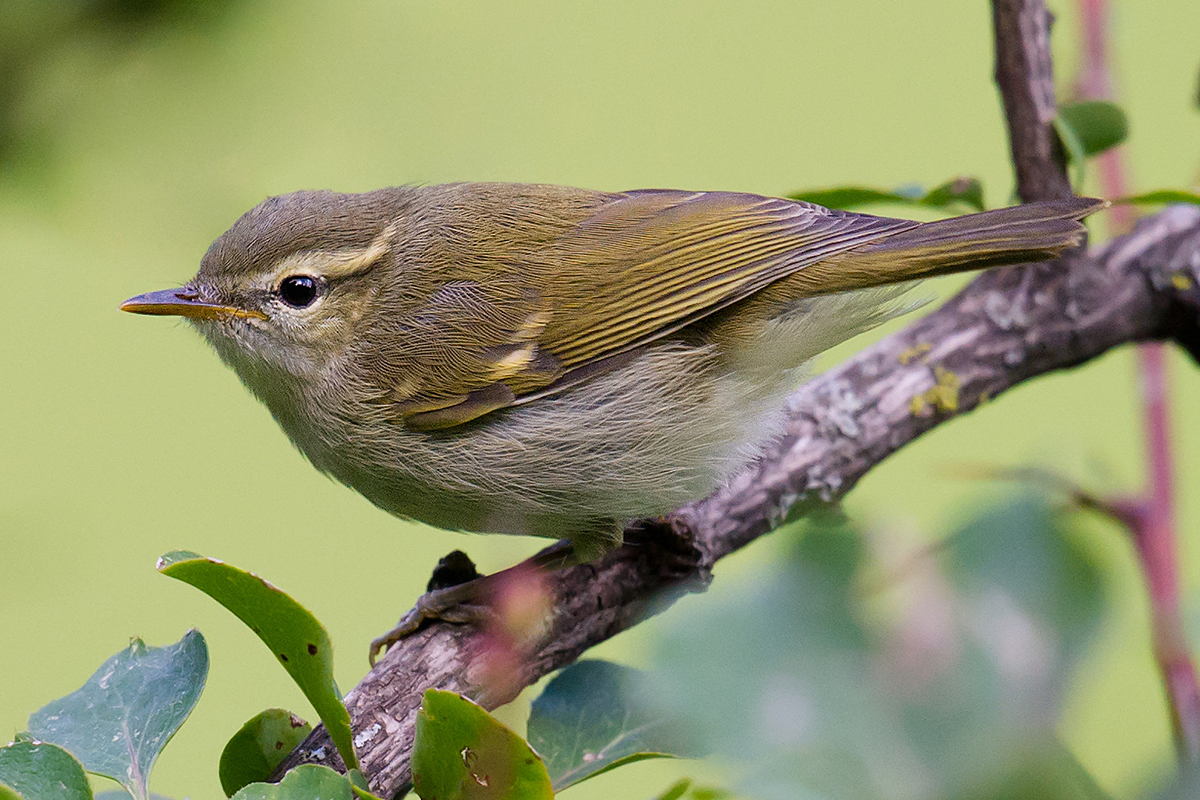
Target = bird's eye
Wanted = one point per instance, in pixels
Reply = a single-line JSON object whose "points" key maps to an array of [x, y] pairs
{"points": [[298, 291]]}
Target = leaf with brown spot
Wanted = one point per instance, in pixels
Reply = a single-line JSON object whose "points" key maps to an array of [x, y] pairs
{"points": [[258, 747], [294, 635], [462, 753]]}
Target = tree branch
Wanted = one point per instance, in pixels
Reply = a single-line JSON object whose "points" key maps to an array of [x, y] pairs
{"points": [[1025, 75], [1007, 326]]}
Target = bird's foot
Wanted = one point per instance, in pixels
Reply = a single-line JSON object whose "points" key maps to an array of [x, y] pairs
{"points": [[453, 594], [464, 604], [458, 594]]}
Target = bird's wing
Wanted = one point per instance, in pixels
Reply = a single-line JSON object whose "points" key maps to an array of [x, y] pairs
{"points": [[643, 265], [668, 258]]}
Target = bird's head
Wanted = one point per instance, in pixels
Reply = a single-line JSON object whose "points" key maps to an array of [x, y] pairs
{"points": [[282, 290]]}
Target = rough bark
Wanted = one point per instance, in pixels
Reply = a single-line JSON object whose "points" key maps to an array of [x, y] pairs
{"points": [[1006, 327]]}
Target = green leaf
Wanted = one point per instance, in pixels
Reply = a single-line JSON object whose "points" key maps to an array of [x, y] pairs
{"points": [[956, 681], [1096, 124], [948, 196], [1076, 156], [8, 793], [122, 718], [592, 718], [306, 782], [1160, 197], [358, 783], [462, 753], [1196, 95], [675, 790], [292, 633], [1047, 769], [968, 191], [1086, 129], [258, 748], [708, 793], [1021, 559], [41, 771], [845, 197]]}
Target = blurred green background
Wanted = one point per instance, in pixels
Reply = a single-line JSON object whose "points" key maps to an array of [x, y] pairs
{"points": [[131, 145]]}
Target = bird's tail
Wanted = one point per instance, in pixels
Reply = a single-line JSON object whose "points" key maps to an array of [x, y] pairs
{"points": [[1016, 235]]}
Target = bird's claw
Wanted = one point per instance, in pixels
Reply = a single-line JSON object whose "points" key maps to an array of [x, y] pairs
{"points": [[462, 604]]}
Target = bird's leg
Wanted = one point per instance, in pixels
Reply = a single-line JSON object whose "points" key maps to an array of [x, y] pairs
{"points": [[458, 594]]}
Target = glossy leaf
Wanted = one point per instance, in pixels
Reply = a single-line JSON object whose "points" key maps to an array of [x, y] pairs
{"points": [[292, 633], [118, 722], [259, 746], [306, 782], [1161, 197], [948, 196], [592, 717], [358, 782], [41, 771], [462, 753]]}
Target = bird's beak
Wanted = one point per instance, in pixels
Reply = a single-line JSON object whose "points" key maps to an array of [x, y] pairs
{"points": [[184, 302]]}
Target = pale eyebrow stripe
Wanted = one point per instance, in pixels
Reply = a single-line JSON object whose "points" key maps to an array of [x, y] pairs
{"points": [[336, 263]]}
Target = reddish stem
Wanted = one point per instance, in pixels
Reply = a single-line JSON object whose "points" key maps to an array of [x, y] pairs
{"points": [[1150, 517]]}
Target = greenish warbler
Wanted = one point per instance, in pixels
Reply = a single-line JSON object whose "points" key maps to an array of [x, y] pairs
{"points": [[551, 361]]}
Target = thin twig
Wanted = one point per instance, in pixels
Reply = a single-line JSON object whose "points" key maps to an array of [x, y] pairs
{"points": [[1150, 517]]}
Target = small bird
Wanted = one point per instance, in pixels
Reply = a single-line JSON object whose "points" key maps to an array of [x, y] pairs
{"points": [[551, 361]]}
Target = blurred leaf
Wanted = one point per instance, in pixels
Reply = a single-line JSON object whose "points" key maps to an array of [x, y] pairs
{"points": [[259, 746], [780, 672], [948, 196], [8, 793], [306, 782], [41, 771], [680, 788], [1025, 550], [122, 718], [1097, 124], [1049, 772], [706, 793], [845, 197], [294, 635], [942, 702], [1183, 786], [462, 753], [1160, 197], [1073, 147], [1029, 598], [592, 718], [1087, 128], [968, 191], [675, 790]]}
